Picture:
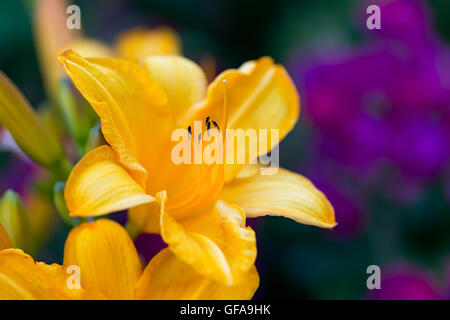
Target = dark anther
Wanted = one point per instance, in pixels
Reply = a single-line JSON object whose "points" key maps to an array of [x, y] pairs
{"points": [[208, 126], [190, 131], [207, 120], [216, 125]]}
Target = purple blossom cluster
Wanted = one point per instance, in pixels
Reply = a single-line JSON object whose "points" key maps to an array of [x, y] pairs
{"points": [[381, 109]]}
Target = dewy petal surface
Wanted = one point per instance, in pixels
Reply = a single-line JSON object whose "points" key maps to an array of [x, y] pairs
{"points": [[135, 118], [214, 242], [98, 184], [167, 277], [106, 256], [284, 194], [136, 44], [260, 95], [22, 278]]}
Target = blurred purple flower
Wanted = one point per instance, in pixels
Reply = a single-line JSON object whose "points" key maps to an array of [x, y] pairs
{"points": [[408, 20], [419, 146], [406, 283], [19, 171], [385, 102], [16, 175], [148, 245]]}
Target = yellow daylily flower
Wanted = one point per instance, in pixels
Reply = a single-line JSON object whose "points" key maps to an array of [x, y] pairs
{"points": [[107, 265], [201, 220]]}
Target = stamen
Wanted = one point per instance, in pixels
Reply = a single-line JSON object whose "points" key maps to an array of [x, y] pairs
{"points": [[216, 125], [208, 125]]}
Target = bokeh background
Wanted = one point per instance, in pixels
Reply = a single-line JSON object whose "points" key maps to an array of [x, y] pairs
{"points": [[373, 135]]}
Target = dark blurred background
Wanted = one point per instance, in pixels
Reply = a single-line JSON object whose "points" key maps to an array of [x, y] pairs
{"points": [[374, 132]]}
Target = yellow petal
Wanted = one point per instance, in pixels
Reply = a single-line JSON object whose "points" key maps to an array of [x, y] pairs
{"points": [[168, 278], [22, 278], [135, 118], [5, 241], [248, 171], [98, 184], [138, 43], [106, 256], [26, 127], [284, 194], [260, 95], [146, 217], [215, 242], [183, 80], [191, 186]]}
